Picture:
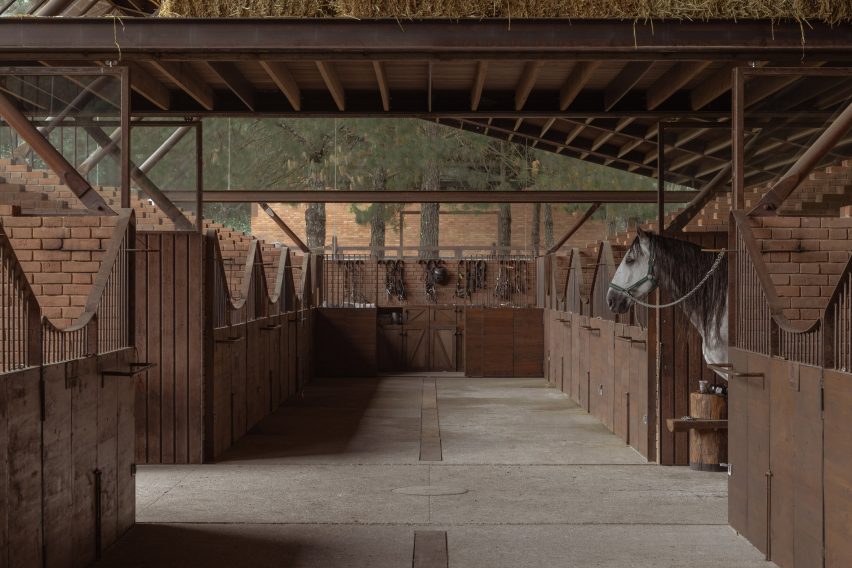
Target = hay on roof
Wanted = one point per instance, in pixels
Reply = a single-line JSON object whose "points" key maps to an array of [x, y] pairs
{"points": [[830, 11]]}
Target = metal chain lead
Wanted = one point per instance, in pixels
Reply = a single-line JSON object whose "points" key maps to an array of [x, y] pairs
{"points": [[692, 292]]}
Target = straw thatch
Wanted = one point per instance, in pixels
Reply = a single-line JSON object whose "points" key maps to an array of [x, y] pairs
{"points": [[831, 11]]}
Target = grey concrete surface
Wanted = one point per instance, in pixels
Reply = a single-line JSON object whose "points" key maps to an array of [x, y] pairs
{"points": [[537, 482]]}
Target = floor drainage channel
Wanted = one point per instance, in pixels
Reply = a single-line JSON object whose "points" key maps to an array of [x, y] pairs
{"points": [[430, 549], [430, 429], [431, 490]]}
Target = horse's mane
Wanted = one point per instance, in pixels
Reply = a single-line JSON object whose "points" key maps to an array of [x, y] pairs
{"points": [[679, 267]]}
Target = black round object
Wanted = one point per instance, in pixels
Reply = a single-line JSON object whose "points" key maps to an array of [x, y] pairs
{"points": [[440, 274]]}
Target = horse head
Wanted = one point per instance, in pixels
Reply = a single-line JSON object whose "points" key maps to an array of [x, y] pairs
{"points": [[636, 276]]}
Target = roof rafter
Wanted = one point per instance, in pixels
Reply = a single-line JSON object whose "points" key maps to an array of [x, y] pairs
{"points": [[285, 82], [332, 83], [235, 81], [182, 73]]}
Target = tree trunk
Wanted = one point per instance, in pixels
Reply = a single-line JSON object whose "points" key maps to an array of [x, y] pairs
{"points": [[548, 225], [315, 217], [430, 212], [377, 215], [536, 227], [504, 228]]}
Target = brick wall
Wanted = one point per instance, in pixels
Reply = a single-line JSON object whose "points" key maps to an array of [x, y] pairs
{"points": [[60, 256], [804, 257], [474, 228]]}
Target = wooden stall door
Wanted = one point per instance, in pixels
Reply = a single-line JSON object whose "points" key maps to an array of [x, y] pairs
{"points": [[498, 328], [565, 349], [528, 342], [292, 353], [416, 342], [621, 383], [757, 428], [473, 342], [796, 455], [640, 395], [442, 341], [738, 444], [838, 464], [389, 352], [586, 363]]}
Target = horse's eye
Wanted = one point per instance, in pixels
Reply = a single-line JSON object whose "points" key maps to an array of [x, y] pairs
{"points": [[628, 260]]}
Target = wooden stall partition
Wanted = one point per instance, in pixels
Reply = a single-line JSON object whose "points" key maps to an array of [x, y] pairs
{"points": [[738, 443], [169, 315], [583, 331], [474, 319], [837, 465], [21, 469], [350, 334], [641, 403], [622, 365], [566, 349], [600, 384], [528, 342]]}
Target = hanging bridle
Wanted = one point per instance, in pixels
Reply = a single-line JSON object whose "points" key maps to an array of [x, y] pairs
{"points": [[649, 277]]}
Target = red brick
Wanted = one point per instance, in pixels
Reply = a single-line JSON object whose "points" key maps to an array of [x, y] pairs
{"points": [[51, 244], [81, 232], [76, 289], [74, 266], [808, 279], [54, 301], [836, 245], [51, 233], [788, 222], [788, 290], [831, 268], [52, 278], [809, 257], [81, 278], [49, 255], [782, 268], [807, 302], [809, 290]]}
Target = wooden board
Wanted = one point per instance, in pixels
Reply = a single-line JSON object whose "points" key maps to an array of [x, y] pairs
{"points": [[350, 333], [738, 444], [528, 342], [442, 346], [642, 401], [621, 382], [416, 348], [838, 464], [473, 342], [58, 476], [498, 332], [601, 378], [757, 419]]}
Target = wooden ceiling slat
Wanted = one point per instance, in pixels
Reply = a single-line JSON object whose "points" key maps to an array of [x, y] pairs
{"points": [[624, 82], [332, 83], [235, 81], [284, 80], [478, 84], [575, 82], [142, 82], [182, 74], [382, 80], [672, 81], [526, 83]]}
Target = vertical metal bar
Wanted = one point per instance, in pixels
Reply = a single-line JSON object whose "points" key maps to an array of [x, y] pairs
{"points": [[199, 176], [661, 177], [125, 137], [737, 133]]}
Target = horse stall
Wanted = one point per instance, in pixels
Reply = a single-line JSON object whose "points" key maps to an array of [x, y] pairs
{"points": [[230, 334], [67, 490], [469, 314], [789, 387], [609, 364]]}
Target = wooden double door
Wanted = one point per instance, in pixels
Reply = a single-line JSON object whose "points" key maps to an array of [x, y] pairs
{"points": [[429, 339]]}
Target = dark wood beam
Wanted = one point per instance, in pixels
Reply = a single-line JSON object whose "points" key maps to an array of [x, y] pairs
{"points": [[711, 88], [182, 74], [760, 88], [626, 79], [416, 196], [478, 84], [574, 83], [285, 82], [382, 80], [54, 160], [526, 83], [284, 227], [235, 81], [574, 228], [787, 184], [142, 82], [672, 81], [332, 83]]}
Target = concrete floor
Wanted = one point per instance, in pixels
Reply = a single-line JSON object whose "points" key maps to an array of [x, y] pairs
{"points": [[534, 481]]}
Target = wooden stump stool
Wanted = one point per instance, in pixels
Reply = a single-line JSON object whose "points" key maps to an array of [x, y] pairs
{"points": [[708, 447]]}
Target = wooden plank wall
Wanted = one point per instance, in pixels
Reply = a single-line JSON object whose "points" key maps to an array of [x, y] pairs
{"points": [[255, 367], [504, 342], [604, 367], [169, 316], [49, 465], [789, 490], [681, 364], [349, 333]]}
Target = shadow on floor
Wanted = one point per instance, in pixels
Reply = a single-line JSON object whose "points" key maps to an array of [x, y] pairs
{"points": [[207, 546]]}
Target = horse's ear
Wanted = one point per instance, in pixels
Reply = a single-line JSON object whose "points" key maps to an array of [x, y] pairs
{"points": [[640, 233]]}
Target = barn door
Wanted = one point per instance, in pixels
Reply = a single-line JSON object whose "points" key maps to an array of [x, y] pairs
{"points": [[443, 342], [416, 342], [416, 316], [390, 351]]}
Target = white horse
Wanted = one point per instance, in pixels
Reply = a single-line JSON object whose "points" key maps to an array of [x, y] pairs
{"points": [[678, 268]]}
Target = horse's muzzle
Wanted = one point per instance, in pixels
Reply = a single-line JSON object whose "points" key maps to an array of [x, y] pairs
{"points": [[618, 302]]}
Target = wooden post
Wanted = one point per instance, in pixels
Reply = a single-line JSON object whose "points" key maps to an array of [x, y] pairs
{"points": [[558, 244], [125, 166], [708, 448], [199, 176], [661, 177], [284, 227], [737, 133]]}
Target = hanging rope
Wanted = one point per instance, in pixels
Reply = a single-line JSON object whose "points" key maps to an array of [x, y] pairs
{"points": [[692, 292]]}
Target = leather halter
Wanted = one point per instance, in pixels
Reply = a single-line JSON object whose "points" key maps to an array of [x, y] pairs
{"points": [[649, 277]]}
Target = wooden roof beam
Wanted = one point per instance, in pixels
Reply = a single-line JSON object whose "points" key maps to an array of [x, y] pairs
{"points": [[604, 137], [711, 88], [527, 82], [672, 81], [574, 83], [182, 74], [142, 82], [478, 85], [235, 81], [624, 82], [285, 82], [332, 83], [382, 80]]}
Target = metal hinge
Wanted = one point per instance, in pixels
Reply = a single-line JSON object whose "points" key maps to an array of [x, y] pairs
{"points": [[133, 469]]}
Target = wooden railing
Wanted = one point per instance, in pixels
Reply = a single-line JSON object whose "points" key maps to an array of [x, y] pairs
{"points": [[761, 326], [253, 300], [104, 325], [838, 324], [20, 321]]}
